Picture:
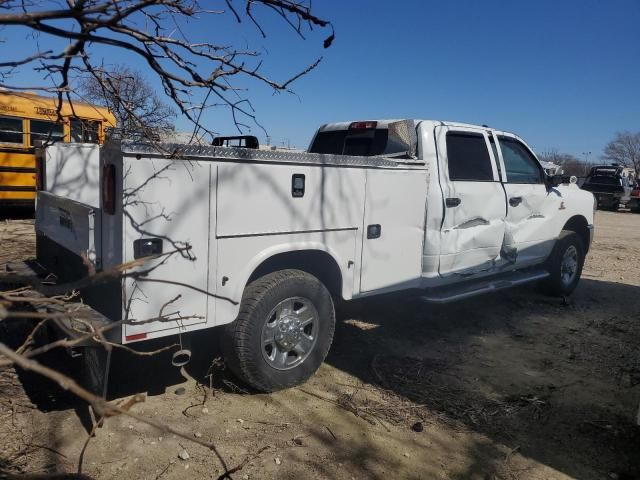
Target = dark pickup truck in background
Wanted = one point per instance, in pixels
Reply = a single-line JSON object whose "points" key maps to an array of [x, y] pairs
{"points": [[608, 185]]}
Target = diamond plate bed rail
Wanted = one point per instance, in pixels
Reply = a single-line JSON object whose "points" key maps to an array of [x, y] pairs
{"points": [[206, 152]]}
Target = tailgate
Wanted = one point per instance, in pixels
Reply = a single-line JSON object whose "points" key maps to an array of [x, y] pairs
{"points": [[74, 226], [603, 188]]}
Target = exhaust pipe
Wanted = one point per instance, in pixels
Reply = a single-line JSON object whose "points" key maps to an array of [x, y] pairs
{"points": [[181, 357]]}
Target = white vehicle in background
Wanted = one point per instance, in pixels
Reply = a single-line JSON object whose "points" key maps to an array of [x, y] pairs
{"points": [[263, 241]]}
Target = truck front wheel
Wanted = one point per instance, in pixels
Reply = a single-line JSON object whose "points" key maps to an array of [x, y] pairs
{"points": [[283, 332], [565, 264]]}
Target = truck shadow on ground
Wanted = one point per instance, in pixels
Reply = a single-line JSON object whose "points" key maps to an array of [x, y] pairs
{"points": [[16, 213], [555, 381], [129, 375]]}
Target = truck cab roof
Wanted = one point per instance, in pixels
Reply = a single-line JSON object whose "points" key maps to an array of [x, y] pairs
{"points": [[384, 123], [384, 137]]}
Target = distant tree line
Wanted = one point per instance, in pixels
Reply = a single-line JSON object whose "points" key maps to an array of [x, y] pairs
{"points": [[623, 149], [571, 165]]}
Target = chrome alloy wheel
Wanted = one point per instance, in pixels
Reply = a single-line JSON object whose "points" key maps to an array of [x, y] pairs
{"points": [[290, 333], [569, 265]]}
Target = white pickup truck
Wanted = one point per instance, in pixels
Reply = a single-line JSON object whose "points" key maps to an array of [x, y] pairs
{"points": [[261, 242]]}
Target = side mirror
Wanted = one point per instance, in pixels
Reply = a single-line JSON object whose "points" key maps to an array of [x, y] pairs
{"points": [[553, 180]]}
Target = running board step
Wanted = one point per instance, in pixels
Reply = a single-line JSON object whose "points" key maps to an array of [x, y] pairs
{"points": [[452, 293]]}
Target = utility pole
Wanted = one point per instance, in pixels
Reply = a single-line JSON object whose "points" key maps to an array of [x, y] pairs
{"points": [[586, 162], [286, 143]]}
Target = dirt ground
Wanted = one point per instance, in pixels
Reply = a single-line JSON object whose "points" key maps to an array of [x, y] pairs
{"points": [[513, 385]]}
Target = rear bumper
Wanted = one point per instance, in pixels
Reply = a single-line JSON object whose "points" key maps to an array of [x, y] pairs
{"points": [[72, 320], [608, 195], [103, 300], [608, 200]]}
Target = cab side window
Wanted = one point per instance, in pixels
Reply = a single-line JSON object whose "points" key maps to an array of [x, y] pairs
{"points": [[521, 166], [468, 157]]}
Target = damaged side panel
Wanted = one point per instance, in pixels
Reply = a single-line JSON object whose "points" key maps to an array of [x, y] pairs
{"points": [[529, 226], [472, 231], [533, 210]]}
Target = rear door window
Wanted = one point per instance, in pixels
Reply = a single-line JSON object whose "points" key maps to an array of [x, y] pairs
{"points": [[521, 166], [468, 157]]}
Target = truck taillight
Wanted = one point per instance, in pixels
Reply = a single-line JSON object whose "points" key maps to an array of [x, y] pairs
{"points": [[363, 125], [109, 189]]}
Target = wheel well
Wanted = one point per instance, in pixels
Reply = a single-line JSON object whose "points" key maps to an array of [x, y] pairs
{"points": [[579, 225], [316, 262]]}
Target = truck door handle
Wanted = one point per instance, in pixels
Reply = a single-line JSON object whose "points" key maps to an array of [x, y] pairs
{"points": [[515, 201], [452, 202]]}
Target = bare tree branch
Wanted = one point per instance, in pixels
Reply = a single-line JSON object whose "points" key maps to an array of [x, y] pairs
{"points": [[139, 111], [146, 29], [625, 150]]}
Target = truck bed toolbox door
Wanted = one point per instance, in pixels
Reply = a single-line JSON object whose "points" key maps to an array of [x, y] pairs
{"points": [[393, 228]]}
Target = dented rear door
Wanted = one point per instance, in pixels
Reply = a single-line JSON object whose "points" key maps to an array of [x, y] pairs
{"points": [[473, 225]]}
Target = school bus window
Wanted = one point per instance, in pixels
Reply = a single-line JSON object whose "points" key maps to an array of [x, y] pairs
{"points": [[46, 131], [11, 130], [91, 131], [84, 131]]}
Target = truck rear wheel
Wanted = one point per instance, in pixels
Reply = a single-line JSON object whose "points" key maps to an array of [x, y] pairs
{"points": [[565, 264], [283, 332], [93, 369]]}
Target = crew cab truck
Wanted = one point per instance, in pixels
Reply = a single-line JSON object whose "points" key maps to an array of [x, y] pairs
{"points": [[261, 242], [609, 185]]}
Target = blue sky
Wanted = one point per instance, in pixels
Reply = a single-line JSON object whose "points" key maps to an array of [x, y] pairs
{"points": [[563, 74]]}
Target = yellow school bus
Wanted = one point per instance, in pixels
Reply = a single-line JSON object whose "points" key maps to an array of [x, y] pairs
{"points": [[26, 118]]}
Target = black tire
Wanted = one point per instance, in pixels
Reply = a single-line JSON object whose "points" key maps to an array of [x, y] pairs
{"points": [[556, 284], [607, 206], [242, 341], [93, 369]]}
